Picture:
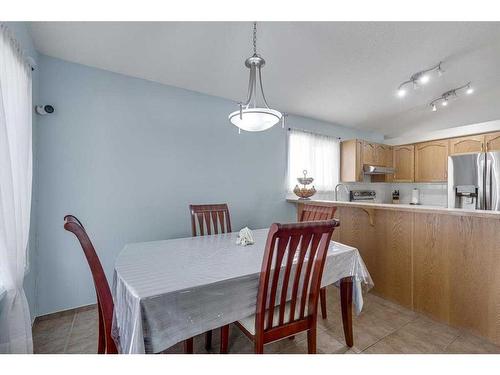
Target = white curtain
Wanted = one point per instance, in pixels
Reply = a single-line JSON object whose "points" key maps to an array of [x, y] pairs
{"points": [[15, 194], [318, 154]]}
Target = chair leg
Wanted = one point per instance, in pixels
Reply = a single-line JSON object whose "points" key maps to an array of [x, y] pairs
{"points": [[259, 347], [224, 339], [188, 346], [311, 341], [322, 298], [101, 341], [346, 306], [208, 340]]}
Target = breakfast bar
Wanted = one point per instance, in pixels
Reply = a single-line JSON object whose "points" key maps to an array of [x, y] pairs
{"points": [[442, 262]]}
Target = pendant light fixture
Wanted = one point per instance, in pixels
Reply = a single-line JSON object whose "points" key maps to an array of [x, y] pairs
{"points": [[250, 116]]}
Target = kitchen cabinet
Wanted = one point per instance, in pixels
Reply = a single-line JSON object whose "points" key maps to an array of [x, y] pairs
{"points": [[374, 154], [351, 169], [492, 141], [443, 264], [404, 163], [431, 161], [355, 153], [368, 153], [464, 145]]}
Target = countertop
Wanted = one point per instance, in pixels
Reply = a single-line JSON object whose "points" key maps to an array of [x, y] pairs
{"points": [[403, 207]]}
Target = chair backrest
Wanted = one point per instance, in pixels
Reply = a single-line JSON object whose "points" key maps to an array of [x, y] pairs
{"points": [[284, 283], [313, 212], [104, 298], [211, 219]]}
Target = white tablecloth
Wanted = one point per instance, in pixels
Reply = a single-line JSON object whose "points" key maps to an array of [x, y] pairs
{"points": [[167, 291]]}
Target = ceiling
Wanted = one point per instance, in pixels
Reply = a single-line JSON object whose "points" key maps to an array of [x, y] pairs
{"points": [[341, 72]]}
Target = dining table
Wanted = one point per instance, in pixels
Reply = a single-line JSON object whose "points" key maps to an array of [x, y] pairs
{"points": [[167, 291]]}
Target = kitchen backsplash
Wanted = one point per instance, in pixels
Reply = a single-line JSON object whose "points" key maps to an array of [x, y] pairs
{"points": [[435, 194]]}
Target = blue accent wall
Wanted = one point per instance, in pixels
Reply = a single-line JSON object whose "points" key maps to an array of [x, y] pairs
{"points": [[127, 156]]}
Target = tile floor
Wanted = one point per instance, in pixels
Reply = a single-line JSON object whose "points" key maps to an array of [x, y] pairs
{"points": [[383, 327]]}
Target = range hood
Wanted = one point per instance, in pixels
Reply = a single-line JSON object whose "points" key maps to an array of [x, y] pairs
{"points": [[373, 169]]}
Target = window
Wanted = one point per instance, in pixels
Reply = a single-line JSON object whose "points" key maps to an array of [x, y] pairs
{"points": [[318, 154]]}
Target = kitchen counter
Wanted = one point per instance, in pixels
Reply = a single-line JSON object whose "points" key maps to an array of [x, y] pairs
{"points": [[442, 262], [402, 207]]}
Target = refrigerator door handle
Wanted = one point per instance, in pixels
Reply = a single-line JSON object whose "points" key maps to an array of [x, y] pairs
{"points": [[487, 182], [481, 180]]}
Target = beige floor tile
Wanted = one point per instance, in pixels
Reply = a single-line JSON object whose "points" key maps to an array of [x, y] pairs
{"points": [[50, 336], [376, 321], [420, 336], [382, 327], [85, 332], [469, 344], [326, 343]]}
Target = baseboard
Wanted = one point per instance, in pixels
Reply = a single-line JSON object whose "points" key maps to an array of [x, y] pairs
{"points": [[64, 313]]}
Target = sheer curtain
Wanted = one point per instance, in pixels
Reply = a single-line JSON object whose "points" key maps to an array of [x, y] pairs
{"points": [[318, 154], [15, 194]]}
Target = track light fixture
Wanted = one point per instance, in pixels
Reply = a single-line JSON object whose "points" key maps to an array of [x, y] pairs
{"points": [[419, 78], [444, 98]]}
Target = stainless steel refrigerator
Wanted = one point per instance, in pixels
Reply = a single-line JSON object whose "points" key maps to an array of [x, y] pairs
{"points": [[474, 181]]}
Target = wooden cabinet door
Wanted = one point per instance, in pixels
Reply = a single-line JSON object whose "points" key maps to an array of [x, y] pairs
{"points": [[368, 153], [380, 155], [492, 141], [403, 159], [350, 161], [431, 161], [387, 156], [464, 145], [374, 153]]}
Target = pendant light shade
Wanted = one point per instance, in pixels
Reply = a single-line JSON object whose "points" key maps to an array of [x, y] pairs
{"points": [[255, 119], [250, 116]]}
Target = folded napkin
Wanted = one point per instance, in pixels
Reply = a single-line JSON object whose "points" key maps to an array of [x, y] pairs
{"points": [[245, 237]]}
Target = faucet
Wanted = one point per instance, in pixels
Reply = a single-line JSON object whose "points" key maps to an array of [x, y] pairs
{"points": [[336, 189]]}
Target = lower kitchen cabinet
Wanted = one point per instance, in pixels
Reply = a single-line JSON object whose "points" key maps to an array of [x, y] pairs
{"points": [[443, 265], [385, 248]]}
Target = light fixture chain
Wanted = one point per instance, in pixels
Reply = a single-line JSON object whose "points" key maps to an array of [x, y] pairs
{"points": [[255, 38]]}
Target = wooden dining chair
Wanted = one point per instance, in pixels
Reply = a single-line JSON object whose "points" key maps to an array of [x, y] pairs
{"points": [[211, 219], [287, 298], [313, 212], [207, 219], [105, 343]]}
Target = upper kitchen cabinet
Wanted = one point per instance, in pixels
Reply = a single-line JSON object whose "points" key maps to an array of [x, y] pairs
{"points": [[431, 161], [374, 153], [492, 142], [351, 168], [355, 153], [469, 144], [404, 166]]}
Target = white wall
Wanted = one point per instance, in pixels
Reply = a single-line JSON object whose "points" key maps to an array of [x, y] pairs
{"points": [[127, 156], [459, 131]]}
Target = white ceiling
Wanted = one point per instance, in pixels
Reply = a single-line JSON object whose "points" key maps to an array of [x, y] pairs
{"points": [[341, 72]]}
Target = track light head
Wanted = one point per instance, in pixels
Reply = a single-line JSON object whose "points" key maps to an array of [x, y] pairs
{"points": [[434, 108], [401, 92], [444, 103], [423, 79], [469, 91]]}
